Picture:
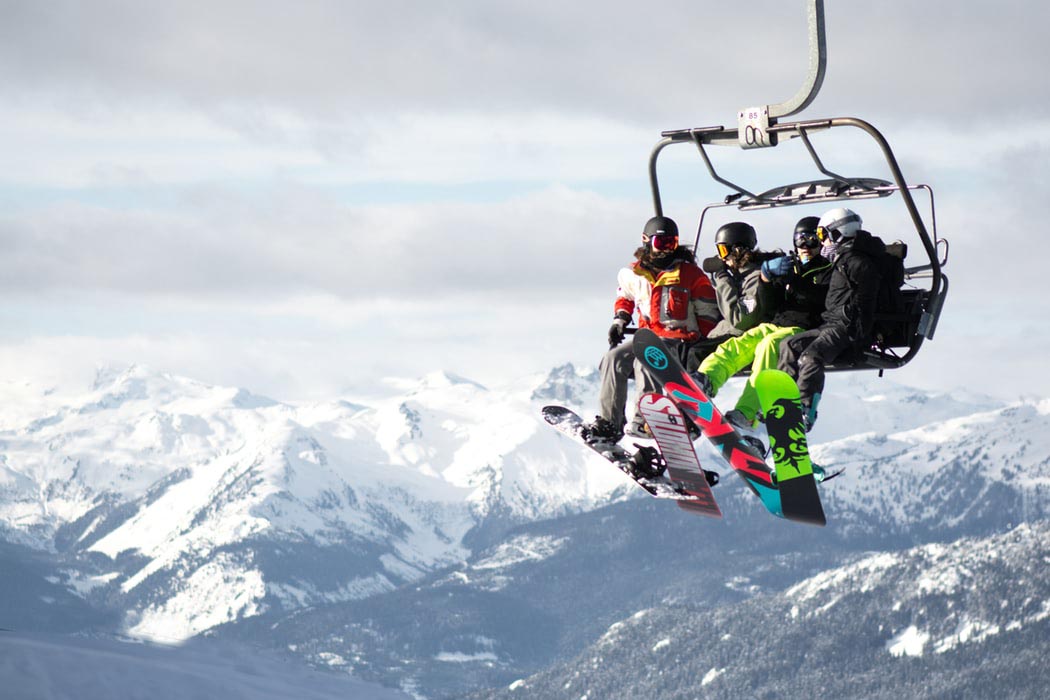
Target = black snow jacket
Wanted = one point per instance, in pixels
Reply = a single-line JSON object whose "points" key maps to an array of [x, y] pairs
{"points": [[799, 298], [854, 286]]}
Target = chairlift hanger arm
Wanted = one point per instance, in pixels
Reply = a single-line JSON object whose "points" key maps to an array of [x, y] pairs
{"points": [[818, 61], [768, 115]]}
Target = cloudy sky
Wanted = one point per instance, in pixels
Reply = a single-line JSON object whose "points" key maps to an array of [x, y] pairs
{"points": [[301, 198]]}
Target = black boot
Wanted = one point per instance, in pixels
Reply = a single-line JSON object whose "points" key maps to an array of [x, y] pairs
{"points": [[601, 430], [648, 463]]}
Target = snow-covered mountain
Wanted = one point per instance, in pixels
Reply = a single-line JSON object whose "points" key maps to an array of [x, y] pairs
{"points": [[970, 619], [207, 503], [162, 507]]}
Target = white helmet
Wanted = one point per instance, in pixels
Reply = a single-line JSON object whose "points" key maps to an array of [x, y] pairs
{"points": [[838, 224]]}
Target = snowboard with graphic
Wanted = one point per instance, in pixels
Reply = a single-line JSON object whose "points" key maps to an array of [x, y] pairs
{"points": [[665, 368], [568, 422], [670, 429], [782, 411]]}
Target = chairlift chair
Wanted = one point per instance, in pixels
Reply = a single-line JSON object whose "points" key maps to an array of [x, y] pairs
{"points": [[925, 284]]}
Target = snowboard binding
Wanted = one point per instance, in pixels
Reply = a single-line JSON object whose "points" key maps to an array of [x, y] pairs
{"points": [[647, 463], [756, 444]]}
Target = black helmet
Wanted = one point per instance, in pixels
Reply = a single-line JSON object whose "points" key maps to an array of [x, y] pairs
{"points": [[806, 231], [660, 226], [736, 234]]}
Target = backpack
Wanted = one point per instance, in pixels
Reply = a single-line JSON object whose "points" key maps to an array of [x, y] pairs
{"points": [[891, 328]]}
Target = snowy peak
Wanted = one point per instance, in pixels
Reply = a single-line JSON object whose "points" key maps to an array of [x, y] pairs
{"points": [[113, 388], [444, 380], [568, 386], [433, 381], [990, 466]]}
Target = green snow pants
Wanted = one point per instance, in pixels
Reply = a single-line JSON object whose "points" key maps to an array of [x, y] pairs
{"points": [[758, 347]]}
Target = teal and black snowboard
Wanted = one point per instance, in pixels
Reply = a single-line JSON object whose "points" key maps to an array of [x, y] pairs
{"points": [[782, 409]]}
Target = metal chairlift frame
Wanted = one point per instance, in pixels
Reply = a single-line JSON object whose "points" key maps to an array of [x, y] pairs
{"points": [[758, 127]]}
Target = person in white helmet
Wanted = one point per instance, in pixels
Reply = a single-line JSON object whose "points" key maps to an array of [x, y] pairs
{"points": [[849, 309]]}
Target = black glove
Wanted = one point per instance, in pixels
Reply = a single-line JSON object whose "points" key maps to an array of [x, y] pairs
{"points": [[616, 332], [712, 265]]}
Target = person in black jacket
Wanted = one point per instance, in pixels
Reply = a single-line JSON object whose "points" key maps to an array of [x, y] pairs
{"points": [[849, 311], [791, 293]]}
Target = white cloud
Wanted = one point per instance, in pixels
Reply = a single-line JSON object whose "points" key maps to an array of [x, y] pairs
{"points": [[315, 347], [292, 240], [151, 148], [308, 169], [145, 147], [664, 60]]}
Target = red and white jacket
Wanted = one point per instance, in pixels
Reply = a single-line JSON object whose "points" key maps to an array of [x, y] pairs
{"points": [[678, 302]]}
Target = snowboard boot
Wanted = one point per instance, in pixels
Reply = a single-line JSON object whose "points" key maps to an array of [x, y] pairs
{"points": [[601, 430], [746, 429], [738, 420], [639, 429], [756, 444], [809, 411], [704, 383]]}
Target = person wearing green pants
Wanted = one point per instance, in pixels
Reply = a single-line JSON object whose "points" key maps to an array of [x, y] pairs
{"points": [[793, 286]]}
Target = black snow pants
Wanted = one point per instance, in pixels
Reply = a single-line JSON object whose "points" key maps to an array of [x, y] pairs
{"points": [[805, 354]]}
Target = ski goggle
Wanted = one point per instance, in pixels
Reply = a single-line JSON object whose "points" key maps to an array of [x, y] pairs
{"points": [[807, 240], [724, 249], [665, 242], [823, 233]]}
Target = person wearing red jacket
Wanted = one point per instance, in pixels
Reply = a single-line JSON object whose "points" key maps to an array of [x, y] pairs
{"points": [[673, 297]]}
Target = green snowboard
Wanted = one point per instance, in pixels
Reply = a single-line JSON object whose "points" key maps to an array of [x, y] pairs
{"points": [[779, 397]]}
